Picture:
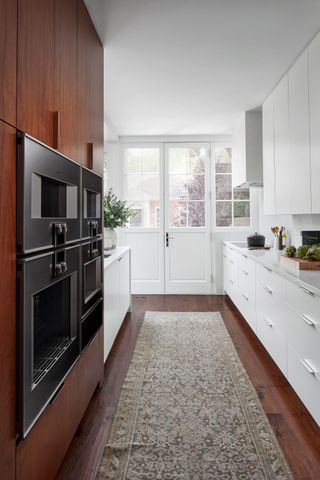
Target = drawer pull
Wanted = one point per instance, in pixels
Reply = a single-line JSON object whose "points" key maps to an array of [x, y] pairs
{"points": [[245, 272], [309, 368], [308, 320], [267, 268], [231, 249], [231, 281], [245, 256], [268, 322], [231, 261], [245, 296], [225, 256], [268, 289], [306, 290]]}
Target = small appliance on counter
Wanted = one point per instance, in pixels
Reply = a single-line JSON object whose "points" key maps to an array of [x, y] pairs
{"points": [[256, 242]]}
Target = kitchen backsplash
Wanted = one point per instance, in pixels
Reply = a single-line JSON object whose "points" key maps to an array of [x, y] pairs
{"points": [[294, 223]]}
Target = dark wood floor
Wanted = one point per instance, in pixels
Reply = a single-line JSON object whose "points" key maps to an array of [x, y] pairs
{"points": [[298, 434]]}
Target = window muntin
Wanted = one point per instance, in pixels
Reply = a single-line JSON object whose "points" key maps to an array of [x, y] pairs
{"points": [[232, 204]]}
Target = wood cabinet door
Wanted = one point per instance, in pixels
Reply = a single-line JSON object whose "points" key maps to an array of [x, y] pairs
{"points": [[66, 76], [90, 92], [8, 55], [7, 300], [83, 91], [96, 96], [35, 92]]}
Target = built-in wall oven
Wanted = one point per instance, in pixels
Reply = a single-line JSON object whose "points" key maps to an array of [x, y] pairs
{"points": [[48, 320], [59, 271], [48, 197], [92, 255]]}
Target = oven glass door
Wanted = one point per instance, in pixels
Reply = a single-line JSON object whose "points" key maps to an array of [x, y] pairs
{"points": [[92, 273], [49, 328], [91, 204]]}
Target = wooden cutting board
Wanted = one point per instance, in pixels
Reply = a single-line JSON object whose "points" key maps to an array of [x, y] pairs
{"points": [[299, 263]]}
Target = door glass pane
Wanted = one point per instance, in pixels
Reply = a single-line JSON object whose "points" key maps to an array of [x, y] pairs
{"points": [[196, 214], [142, 186], [187, 186], [178, 186], [196, 187], [177, 213]]}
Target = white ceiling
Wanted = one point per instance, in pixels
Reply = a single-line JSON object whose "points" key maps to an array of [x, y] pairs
{"points": [[190, 66]]}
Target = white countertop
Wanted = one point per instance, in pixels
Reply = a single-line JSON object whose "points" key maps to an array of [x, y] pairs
{"points": [[309, 279], [114, 253]]}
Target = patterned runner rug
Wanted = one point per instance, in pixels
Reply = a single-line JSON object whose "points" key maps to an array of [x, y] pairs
{"points": [[188, 410]]}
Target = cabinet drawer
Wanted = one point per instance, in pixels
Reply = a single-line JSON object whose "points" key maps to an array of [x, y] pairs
{"points": [[303, 302], [304, 336], [271, 280], [271, 307], [273, 341], [305, 381]]}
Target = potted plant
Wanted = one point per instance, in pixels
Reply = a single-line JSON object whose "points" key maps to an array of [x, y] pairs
{"points": [[116, 215]]}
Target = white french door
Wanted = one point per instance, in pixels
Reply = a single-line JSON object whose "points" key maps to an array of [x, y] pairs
{"points": [[168, 188], [187, 218]]}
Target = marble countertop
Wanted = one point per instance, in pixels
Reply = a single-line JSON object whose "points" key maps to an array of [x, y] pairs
{"points": [[114, 254], [309, 279]]}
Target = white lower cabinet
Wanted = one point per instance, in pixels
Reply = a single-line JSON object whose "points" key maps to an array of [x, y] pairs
{"points": [[304, 377], [116, 298], [286, 318], [271, 314]]}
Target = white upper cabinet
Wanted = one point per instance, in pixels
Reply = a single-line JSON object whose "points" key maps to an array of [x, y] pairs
{"points": [[314, 102], [281, 145], [269, 202], [298, 173], [296, 137]]}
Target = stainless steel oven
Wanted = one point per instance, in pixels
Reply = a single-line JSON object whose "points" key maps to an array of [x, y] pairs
{"points": [[91, 204], [48, 197], [48, 327], [92, 285]]}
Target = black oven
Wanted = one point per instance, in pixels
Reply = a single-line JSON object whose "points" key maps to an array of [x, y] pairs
{"points": [[92, 284], [48, 197], [48, 327], [92, 188]]}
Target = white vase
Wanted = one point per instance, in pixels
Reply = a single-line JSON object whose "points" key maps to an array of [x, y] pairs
{"points": [[110, 238]]}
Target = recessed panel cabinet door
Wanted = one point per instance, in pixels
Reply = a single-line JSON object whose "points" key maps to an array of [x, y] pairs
{"points": [[8, 55], [314, 102], [7, 300], [66, 76], [35, 113]]}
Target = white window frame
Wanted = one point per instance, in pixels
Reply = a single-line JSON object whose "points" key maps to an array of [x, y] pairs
{"points": [[231, 228]]}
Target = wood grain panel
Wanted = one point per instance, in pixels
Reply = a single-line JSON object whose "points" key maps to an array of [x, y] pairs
{"points": [[39, 456], [35, 91], [7, 300], [66, 75], [90, 92], [84, 64], [8, 60]]}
